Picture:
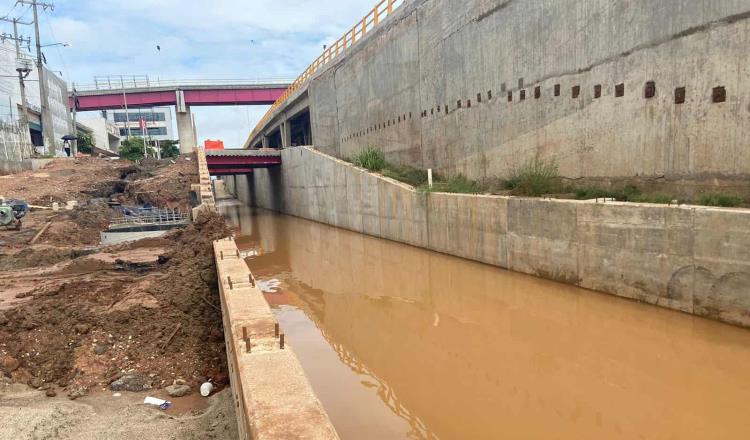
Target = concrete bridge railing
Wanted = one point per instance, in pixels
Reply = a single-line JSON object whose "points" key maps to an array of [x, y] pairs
{"points": [[368, 23]]}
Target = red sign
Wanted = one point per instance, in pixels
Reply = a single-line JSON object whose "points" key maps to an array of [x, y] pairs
{"points": [[142, 124], [213, 145]]}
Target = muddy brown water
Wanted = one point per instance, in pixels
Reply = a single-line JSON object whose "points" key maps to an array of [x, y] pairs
{"points": [[403, 343]]}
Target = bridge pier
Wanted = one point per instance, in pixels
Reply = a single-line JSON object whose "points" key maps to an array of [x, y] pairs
{"points": [[186, 130], [286, 134]]}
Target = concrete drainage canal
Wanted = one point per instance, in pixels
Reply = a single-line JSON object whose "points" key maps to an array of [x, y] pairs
{"points": [[403, 343]]}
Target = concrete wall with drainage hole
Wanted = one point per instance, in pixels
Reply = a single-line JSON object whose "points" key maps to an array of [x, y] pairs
{"points": [[439, 86]]}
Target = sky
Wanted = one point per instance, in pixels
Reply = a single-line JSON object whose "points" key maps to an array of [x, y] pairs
{"points": [[219, 39]]}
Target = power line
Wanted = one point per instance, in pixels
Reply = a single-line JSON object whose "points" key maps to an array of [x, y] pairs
{"points": [[57, 48], [11, 10]]}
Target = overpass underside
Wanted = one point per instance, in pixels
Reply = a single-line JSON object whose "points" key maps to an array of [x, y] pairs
{"points": [[292, 130]]}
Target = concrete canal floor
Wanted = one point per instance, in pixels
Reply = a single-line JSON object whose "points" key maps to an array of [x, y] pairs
{"points": [[403, 343]]}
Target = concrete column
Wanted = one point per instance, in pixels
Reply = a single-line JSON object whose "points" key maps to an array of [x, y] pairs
{"points": [[186, 131], [286, 134], [264, 141]]}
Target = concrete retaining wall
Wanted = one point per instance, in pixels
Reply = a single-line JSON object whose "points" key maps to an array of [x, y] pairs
{"points": [[17, 166], [274, 399], [452, 85], [688, 258]]}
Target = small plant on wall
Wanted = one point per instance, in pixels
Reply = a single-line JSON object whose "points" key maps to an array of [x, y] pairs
{"points": [[370, 158]]}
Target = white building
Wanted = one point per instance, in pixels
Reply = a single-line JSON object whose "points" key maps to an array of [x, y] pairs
{"points": [[158, 122], [105, 133], [10, 97]]}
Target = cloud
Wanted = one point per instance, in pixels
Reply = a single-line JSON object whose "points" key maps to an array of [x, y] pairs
{"points": [[219, 39]]}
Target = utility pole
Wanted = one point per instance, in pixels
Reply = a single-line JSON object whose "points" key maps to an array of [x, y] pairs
{"points": [[156, 140], [48, 135], [22, 73], [125, 100], [74, 148]]}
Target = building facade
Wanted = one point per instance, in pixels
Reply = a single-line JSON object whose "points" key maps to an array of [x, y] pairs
{"points": [[11, 103], [106, 134], [158, 122]]}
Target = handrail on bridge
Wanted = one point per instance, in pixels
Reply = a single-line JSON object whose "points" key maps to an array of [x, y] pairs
{"points": [[146, 83], [368, 23]]}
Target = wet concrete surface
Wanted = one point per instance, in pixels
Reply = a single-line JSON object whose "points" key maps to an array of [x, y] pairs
{"points": [[404, 343]]}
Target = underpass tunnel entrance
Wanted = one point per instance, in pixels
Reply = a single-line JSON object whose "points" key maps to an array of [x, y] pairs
{"points": [[300, 130]]}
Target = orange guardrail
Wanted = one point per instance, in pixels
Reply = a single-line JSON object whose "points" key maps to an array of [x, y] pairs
{"points": [[368, 23]]}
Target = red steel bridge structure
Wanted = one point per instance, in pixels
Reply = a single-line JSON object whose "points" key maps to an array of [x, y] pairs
{"points": [[119, 93], [135, 92], [237, 162]]}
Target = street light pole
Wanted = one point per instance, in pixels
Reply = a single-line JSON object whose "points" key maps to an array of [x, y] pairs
{"points": [[125, 100], [74, 145]]}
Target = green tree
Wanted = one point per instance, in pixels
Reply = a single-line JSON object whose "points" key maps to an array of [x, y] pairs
{"points": [[169, 149], [85, 142], [132, 149]]}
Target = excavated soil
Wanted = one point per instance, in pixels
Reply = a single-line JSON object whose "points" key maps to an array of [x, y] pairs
{"points": [[76, 316], [150, 188], [97, 317]]}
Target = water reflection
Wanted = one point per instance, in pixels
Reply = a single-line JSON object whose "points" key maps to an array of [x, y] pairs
{"points": [[455, 350]]}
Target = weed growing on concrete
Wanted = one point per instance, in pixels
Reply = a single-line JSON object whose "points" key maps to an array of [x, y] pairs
{"points": [[626, 194], [664, 199], [405, 173], [456, 183], [370, 158], [723, 200], [373, 159], [535, 178]]}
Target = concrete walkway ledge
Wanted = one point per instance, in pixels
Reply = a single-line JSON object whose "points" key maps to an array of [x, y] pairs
{"points": [[274, 399]]}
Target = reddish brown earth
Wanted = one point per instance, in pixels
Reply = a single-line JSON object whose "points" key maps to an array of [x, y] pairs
{"points": [[75, 316]]}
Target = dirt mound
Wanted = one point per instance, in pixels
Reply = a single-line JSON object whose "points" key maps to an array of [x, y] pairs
{"points": [[78, 315], [166, 186], [81, 226], [34, 256], [104, 320], [63, 180]]}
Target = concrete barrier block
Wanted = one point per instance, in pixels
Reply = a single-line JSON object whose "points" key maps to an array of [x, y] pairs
{"points": [[542, 239], [402, 213], [370, 204], [326, 189], [340, 214], [353, 200], [722, 264], [492, 229], [635, 251]]}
